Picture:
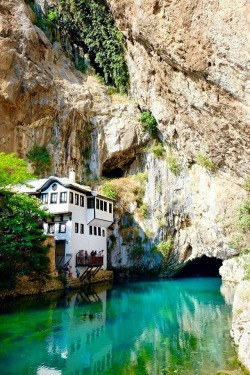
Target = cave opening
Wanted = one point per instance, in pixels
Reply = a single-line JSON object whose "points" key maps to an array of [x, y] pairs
{"points": [[201, 267], [113, 173]]}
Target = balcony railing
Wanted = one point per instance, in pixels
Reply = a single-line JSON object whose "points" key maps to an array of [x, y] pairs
{"points": [[88, 260]]}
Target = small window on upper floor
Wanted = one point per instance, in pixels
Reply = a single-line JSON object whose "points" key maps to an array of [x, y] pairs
{"points": [[76, 227], [99, 231], [53, 198], [105, 206], [44, 198], [103, 233], [71, 197], [90, 229], [63, 197], [110, 208], [62, 228], [51, 228], [101, 205], [77, 199], [95, 233], [91, 203], [81, 228], [82, 200], [97, 203]]}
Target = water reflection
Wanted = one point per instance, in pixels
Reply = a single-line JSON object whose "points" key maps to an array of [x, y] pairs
{"points": [[168, 327]]}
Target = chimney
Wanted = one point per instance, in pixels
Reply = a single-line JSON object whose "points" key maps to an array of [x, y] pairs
{"points": [[72, 175]]}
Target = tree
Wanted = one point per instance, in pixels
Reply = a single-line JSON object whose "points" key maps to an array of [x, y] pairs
{"points": [[39, 158], [21, 237], [13, 170]]}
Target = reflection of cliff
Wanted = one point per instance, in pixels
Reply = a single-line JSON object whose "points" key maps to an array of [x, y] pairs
{"points": [[180, 327]]}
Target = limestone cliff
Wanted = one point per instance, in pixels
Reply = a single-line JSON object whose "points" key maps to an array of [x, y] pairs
{"points": [[45, 100]]}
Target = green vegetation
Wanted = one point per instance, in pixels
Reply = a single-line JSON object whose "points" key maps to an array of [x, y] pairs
{"points": [[141, 177], [165, 247], [244, 215], [246, 184], [39, 158], [173, 165], [21, 248], [143, 211], [205, 162], [109, 191], [13, 170], [149, 123], [136, 250], [158, 150], [91, 26]]}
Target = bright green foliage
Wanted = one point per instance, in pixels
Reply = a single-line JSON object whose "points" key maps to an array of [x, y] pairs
{"points": [[165, 247], [52, 15], [39, 158], [109, 191], [158, 150], [244, 215], [173, 165], [205, 162], [13, 170], [21, 236], [149, 123], [90, 24]]}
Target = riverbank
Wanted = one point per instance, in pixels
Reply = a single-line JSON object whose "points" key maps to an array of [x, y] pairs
{"points": [[25, 286]]}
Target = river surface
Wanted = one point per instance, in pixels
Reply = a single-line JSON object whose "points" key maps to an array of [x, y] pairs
{"points": [[136, 328]]}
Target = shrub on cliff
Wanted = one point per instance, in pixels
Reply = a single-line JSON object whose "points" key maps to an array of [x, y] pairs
{"points": [[39, 158]]}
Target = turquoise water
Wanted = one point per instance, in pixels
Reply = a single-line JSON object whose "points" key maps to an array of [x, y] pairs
{"points": [[150, 327]]}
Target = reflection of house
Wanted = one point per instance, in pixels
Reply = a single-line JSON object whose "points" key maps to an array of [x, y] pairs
{"points": [[81, 218], [80, 336]]}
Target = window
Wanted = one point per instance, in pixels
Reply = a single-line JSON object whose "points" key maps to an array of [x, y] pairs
{"points": [[90, 229], [77, 199], [63, 197], [81, 228], [44, 198], [62, 228], [71, 199], [76, 227], [54, 187], [81, 200], [53, 198], [99, 231], [95, 231], [97, 203], [101, 205], [91, 203], [105, 206], [110, 208], [51, 228], [103, 233]]}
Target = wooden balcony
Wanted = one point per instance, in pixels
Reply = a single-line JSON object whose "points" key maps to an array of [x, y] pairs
{"points": [[89, 261]]}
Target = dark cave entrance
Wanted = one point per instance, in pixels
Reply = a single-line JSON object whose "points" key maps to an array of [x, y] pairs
{"points": [[113, 173], [201, 267]]}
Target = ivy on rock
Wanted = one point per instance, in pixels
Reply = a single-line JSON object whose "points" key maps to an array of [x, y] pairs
{"points": [[90, 24]]}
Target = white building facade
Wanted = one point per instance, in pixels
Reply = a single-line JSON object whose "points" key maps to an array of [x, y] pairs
{"points": [[79, 223]]}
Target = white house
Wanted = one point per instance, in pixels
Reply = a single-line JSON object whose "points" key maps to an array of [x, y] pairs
{"points": [[80, 222]]}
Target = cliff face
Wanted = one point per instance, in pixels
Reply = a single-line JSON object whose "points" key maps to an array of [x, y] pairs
{"points": [[45, 100], [188, 64]]}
